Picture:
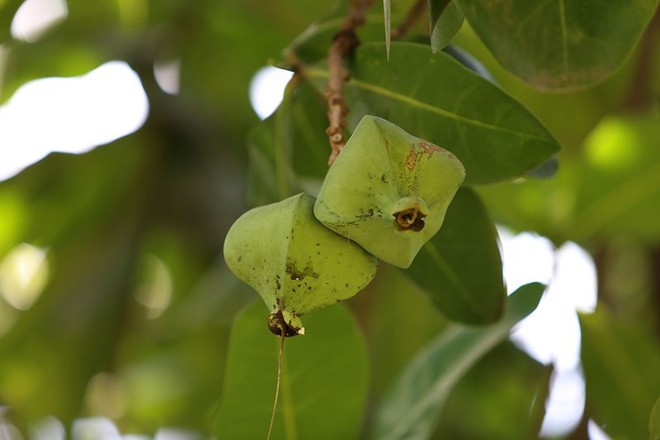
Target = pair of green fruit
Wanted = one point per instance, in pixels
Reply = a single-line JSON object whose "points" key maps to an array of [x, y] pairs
{"points": [[384, 197]]}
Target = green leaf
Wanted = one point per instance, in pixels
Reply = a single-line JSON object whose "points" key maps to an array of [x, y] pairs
{"points": [[546, 170], [410, 409], [383, 301], [494, 136], [446, 266], [312, 44], [560, 45], [654, 421], [325, 375], [505, 385], [435, 9], [271, 174], [467, 60], [446, 26], [290, 149], [621, 365]]}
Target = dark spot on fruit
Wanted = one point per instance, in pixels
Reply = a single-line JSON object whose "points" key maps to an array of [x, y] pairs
{"points": [[369, 213], [297, 274]]}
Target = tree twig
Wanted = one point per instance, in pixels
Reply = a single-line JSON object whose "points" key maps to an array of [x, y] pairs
{"points": [[415, 13], [342, 44]]}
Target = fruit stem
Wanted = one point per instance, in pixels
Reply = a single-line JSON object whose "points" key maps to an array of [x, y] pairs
{"points": [[280, 356]]}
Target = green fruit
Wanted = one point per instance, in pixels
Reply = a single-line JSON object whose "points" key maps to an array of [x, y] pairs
{"points": [[388, 190], [294, 262]]}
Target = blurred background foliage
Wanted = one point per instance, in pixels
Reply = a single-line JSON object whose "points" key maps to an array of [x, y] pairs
{"points": [[129, 314]]}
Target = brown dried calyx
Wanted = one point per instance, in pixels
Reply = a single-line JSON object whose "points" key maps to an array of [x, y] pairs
{"points": [[277, 325], [409, 219]]}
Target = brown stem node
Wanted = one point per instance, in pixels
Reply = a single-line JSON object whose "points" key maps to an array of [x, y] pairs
{"points": [[343, 43]]}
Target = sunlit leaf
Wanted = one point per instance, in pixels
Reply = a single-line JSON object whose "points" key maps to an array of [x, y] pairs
{"points": [[611, 189], [621, 365], [410, 409], [560, 45], [494, 136], [446, 266], [619, 189], [325, 375]]}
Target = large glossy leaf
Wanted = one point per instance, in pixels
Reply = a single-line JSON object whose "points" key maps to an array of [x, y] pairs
{"points": [[621, 364], [436, 98], [560, 44], [448, 264], [325, 376], [410, 409]]}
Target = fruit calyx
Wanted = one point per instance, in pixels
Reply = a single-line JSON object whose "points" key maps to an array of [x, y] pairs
{"points": [[409, 219], [278, 325]]}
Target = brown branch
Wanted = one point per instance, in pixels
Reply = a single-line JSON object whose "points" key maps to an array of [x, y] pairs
{"points": [[639, 97], [415, 13], [343, 44]]}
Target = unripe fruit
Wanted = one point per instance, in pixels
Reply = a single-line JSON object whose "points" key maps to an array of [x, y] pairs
{"points": [[294, 262], [388, 190]]}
